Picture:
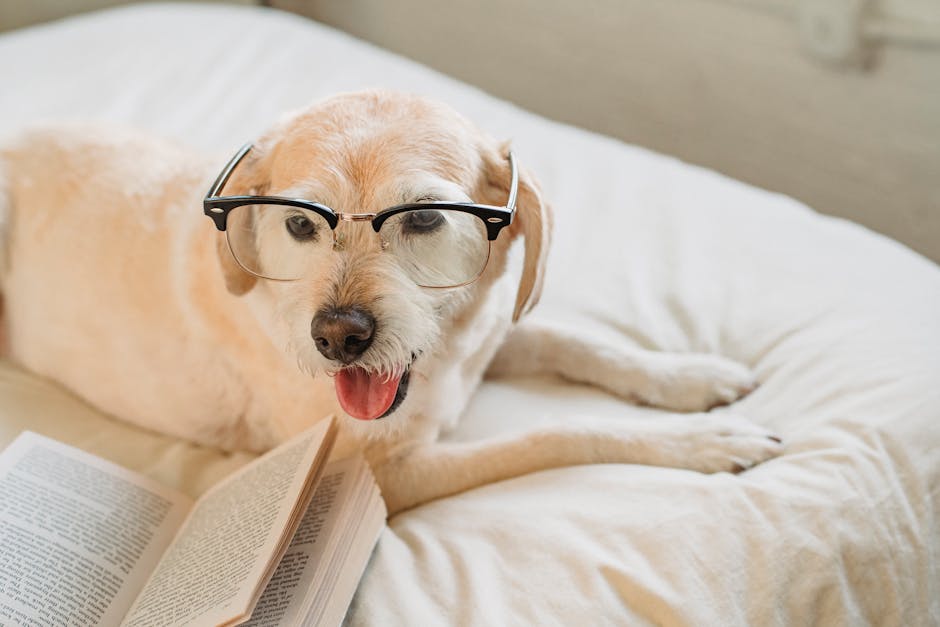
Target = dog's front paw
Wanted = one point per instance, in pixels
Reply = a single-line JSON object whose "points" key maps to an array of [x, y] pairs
{"points": [[697, 383], [729, 443]]}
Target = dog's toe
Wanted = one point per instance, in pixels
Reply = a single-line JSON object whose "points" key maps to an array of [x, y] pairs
{"points": [[729, 383], [699, 383], [732, 444]]}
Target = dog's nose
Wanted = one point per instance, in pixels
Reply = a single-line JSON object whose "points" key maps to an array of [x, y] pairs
{"points": [[342, 334]]}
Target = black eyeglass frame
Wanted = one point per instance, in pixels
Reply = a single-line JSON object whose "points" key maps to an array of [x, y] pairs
{"points": [[219, 207]]}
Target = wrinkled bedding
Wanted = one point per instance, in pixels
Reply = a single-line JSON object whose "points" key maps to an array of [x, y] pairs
{"points": [[841, 325]]}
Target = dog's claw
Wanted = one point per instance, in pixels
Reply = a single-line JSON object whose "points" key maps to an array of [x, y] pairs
{"points": [[730, 443]]}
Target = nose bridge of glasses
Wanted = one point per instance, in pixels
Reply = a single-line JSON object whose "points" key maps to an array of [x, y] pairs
{"points": [[356, 217]]}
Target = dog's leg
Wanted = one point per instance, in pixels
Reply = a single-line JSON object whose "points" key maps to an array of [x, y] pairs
{"points": [[676, 381], [416, 473]]}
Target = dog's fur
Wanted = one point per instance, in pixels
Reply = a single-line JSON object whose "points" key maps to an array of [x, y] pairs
{"points": [[116, 285]]}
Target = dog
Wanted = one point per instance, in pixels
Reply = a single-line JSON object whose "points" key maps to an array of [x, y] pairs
{"points": [[116, 285]]}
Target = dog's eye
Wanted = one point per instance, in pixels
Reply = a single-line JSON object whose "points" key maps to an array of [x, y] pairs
{"points": [[301, 227], [423, 221]]}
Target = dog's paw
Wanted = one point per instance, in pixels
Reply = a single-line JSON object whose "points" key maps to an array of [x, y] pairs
{"points": [[729, 443], [691, 383]]}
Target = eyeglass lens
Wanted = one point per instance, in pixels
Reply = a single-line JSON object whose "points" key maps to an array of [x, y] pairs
{"points": [[435, 248]]}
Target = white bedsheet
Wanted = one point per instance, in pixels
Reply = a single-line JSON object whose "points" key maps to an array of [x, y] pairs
{"points": [[841, 325]]}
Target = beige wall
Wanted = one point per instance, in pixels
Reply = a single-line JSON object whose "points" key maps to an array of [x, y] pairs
{"points": [[729, 84], [20, 13]]}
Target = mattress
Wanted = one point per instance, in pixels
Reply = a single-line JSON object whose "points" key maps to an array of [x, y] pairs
{"points": [[841, 325]]}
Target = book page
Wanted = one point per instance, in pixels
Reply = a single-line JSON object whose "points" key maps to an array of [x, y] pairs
{"points": [[331, 608], [78, 535], [316, 547], [216, 567]]}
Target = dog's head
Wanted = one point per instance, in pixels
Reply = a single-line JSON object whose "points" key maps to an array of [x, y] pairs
{"points": [[357, 312]]}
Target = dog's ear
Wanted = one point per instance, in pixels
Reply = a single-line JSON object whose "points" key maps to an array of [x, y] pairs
{"points": [[533, 221], [249, 178], [237, 280]]}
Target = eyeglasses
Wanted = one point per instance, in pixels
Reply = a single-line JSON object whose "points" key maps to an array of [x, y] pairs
{"points": [[437, 244]]}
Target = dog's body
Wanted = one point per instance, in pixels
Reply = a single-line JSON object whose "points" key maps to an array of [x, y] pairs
{"points": [[116, 285]]}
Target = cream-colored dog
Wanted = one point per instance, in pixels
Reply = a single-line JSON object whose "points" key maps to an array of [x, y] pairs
{"points": [[116, 285]]}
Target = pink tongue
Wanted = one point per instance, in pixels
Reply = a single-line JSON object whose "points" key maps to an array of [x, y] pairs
{"points": [[365, 396]]}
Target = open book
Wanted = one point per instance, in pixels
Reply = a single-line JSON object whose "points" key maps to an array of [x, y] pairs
{"points": [[86, 542]]}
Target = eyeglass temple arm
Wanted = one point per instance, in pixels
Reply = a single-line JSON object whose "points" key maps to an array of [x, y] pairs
{"points": [[227, 171], [513, 184]]}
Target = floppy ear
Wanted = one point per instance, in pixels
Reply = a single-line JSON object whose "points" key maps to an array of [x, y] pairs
{"points": [[533, 221], [237, 281], [249, 178]]}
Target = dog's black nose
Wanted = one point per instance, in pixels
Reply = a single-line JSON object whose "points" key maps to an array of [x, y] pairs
{"points": [[342, 334]]}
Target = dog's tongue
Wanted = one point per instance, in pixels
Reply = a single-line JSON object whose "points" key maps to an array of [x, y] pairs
{"points": [[363, 395]]}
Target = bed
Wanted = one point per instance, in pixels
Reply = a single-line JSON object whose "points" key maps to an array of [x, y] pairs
{"points": [[841, 325]]}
